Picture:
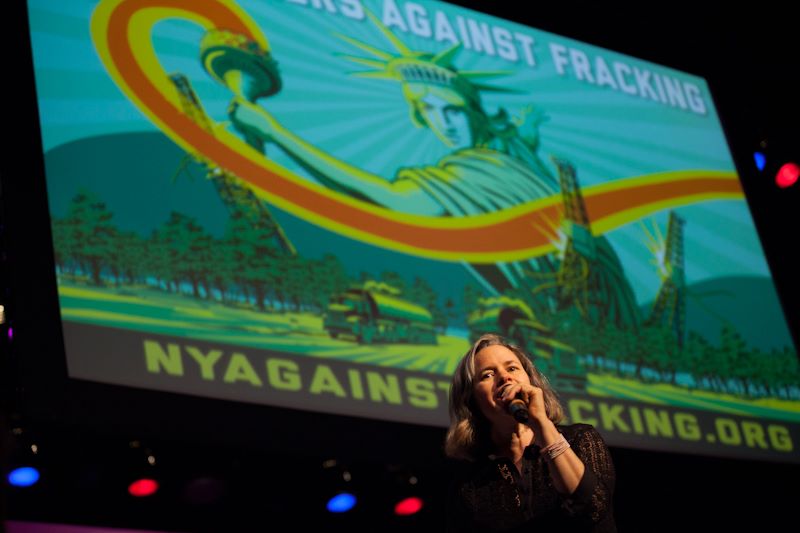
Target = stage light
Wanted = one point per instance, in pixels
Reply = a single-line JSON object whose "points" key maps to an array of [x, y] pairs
{"points": [[405, 491], [408, 506], [787, 175], [142, 471], [777, 159], [761, 160], [341, 503], [143, 487], [24, 476], [24, 459], [336, 479]]}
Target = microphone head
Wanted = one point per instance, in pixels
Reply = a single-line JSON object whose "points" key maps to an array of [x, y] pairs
{"points": [[518, 410]]}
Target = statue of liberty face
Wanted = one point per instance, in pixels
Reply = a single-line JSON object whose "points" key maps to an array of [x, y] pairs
{"points": [[447, 120]]}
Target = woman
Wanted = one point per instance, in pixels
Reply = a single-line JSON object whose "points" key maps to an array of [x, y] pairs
{"points": [[531, 476]]}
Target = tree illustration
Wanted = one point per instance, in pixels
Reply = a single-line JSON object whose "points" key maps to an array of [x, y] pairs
{"points": [[90, 231], [127, 257], [258, 268]]}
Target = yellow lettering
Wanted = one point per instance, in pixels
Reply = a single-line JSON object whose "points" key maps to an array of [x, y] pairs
{"points": [[636, 420], [658, 423], [206, 362], [283, 374], [156, 359], [324, 380], [381, 388], [610, 415], [356, 387], [687, 426], [754, 434], [240, 369], [420, 393], [576, 414], [728, 431], [780, 438]]}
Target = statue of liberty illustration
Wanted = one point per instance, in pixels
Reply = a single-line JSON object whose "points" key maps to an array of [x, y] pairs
{"points": [[494, 163]]}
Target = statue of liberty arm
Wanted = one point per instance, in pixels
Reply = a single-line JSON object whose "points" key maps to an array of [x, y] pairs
{"points": [[399, 195], [494, 164]]}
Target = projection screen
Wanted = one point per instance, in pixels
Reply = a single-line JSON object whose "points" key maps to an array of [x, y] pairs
{"points": [[320, 204]]}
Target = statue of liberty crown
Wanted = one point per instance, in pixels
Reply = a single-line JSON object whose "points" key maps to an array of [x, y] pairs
{"points": [[409, 66]]}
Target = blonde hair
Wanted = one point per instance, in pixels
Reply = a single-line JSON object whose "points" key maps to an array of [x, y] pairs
{"points": [[468, 435]]}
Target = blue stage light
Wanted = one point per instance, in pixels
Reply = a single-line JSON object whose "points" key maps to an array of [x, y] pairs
{"points": [[341, 503], [24, 476], [761, 160]]}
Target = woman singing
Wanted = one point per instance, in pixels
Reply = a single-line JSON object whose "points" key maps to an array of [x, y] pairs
{"points": [[521, 471]]}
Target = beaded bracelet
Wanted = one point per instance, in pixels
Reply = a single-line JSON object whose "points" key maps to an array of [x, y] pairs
{"points": [[557, 448]]}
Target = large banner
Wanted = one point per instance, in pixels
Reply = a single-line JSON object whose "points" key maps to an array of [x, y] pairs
{"points": [[319, 204]]}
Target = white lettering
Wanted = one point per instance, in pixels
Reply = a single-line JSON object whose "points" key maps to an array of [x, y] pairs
{"points": [[392, 17], [580, 65], [696, 102], [526, 41], [659, 88], [444, 31], [481, 38], [603, 74], [643, 83], [621, 70], [674, 90], [505, 44], [418, 20], [559, 55]]}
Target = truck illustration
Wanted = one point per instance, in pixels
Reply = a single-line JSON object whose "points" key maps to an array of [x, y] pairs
{"points": [[375, 313]]}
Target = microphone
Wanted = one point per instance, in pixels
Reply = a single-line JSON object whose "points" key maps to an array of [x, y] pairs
{"points": [[519, 410]]}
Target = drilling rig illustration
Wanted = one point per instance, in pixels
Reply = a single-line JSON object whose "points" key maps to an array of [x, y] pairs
{"points": [[237, 196], [669, 308]]}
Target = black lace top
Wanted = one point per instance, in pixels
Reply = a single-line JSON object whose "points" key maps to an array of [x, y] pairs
{"points": [[491, 495]]}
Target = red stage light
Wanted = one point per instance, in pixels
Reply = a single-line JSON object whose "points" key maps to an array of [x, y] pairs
{"points": [[143, 487], [408, 506], [787, 175]]}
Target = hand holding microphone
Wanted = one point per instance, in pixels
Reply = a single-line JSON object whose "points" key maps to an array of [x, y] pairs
{"points": [[516, 407], [525, 402]]}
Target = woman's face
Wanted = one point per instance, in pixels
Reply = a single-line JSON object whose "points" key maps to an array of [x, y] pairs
{"points": [[448, 121], [495, 366]]}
